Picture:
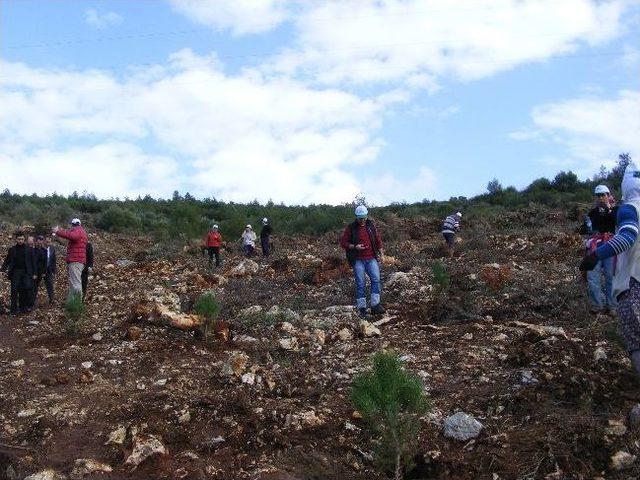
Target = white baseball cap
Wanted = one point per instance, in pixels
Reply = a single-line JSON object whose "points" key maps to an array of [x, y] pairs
{"points": [[600, 189], [215, 226], [248, 226], [265, 220], [361, 211], [458, 214], [76, 221]]}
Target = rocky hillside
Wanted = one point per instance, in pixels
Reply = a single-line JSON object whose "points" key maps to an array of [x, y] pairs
{"points": [[503, 336]]}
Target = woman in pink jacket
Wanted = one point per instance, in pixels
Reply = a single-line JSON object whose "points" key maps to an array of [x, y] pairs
{"points": [[76, 254]]}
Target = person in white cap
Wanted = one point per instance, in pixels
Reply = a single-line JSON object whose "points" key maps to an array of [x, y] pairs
{"points": [[363, 246], [450, 227], [265, 237], [213, 242], [76, 254], [248, 239], [624, 244], [601, 226]]}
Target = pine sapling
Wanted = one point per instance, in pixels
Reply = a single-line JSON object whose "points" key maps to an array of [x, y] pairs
{"points": [[207, 307], [391, 400], [74, 310]]}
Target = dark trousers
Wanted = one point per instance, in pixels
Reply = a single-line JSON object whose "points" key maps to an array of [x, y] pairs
{"points": [[48, 282], [214, 251], [266, 246], [85, 282], [21, 292]]}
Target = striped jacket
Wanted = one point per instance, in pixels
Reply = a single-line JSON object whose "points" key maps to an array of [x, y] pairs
{"points": [[451, 224]]}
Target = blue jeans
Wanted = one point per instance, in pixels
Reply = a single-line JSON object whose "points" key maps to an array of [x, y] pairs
{"points": [[371, 268], [594, 284]]}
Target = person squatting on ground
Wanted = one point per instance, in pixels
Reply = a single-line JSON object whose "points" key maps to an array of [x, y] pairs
{"points": [[20, 266], [626, 281], [449, 228], [600, 224], [46, 263], [76, 254], [265, 237], [363, 246], [248, 239], [213, 242], [87, 270]]}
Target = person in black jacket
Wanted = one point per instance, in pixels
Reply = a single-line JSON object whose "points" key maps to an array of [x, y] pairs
{"points": [[47, 268], [20, 266], [88, 269], [265, 237]]}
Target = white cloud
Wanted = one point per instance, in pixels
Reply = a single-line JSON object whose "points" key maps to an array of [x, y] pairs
{"points": [[594, 130], [241, 16], [387, 188], [101, 21], [237, 137]]}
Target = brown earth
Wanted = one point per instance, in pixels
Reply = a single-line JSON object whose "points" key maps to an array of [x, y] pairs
{"points": [[272, 402]]}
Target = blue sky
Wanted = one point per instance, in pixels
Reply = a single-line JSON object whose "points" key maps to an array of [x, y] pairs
{"points": [[310, 102]]}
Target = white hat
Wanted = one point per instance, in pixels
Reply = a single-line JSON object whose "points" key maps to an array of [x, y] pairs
{"points": [[265, 220], [458, 214], [361, 211], [600, 189], [76, 221], [248, 226], [215, 226]]}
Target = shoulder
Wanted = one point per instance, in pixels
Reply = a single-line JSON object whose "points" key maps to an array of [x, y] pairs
{"points": [[627, 212]]}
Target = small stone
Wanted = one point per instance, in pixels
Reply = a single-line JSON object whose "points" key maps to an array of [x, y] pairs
{"points": [[18, 363], [622, 460], [118, 436], [289, 343], [462, 426], [344, 334], [369, 330], [185, 417], [97, 336], [161, 382], [599, 355], [26, 413], [236, 364], [134, 333], [88, 466], [145, 448], [467, 336], [616, 428], [287, 327], [501, 337], [634, 416], [527, 378], [48, 474], [319, 337], [86, 365], [249, 378]]}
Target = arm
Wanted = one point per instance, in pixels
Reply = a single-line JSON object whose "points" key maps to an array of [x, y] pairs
{"points": [[73, 234], [89, 255], [625, 238]]}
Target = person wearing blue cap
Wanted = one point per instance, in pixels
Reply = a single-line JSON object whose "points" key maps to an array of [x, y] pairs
{"points": [[363, 246]]}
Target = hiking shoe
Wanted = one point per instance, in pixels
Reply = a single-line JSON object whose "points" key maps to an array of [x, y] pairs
{"points": [[362, 312], [377, 310]]}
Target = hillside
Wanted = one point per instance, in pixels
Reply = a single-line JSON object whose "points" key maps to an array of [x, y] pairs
{"points": [[509, 341]]}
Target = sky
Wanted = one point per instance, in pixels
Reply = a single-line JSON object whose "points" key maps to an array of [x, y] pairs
{"points": [[309, 101]]}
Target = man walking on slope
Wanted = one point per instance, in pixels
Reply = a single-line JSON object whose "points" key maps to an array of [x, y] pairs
{"points": [[449, 228], [626, 281], [600, 226], [362, 243], [248, 239], [265, 237], [213, 242], [76, 254]]}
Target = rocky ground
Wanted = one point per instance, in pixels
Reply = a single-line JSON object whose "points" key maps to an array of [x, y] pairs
{"points": [[509, 342]]}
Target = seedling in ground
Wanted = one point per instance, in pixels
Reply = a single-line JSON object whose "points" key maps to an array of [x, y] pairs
{"points": [[207, 307], [74, 310], [391, 400]]}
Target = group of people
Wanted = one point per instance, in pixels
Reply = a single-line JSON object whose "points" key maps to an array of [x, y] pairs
{"points": [[30, 260], [248, 239]]}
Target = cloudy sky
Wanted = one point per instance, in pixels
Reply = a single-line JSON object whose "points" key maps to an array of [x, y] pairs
{"points": [[313, 101]]}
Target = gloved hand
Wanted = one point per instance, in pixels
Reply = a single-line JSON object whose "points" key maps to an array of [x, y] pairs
{"points": [[588, 262]]}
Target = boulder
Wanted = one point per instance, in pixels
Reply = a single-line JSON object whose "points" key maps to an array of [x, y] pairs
{"points": [[461, 426], [144, 448], [621, 461], [244, 268], [344, 334], [398, 279], [289, 343], [48, 474], [369, 330], [87, 466]]}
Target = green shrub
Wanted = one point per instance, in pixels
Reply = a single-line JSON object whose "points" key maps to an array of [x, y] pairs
{"points": [[74, 310], [441, 277], [207, 307], [391, 400], [117, 219]]}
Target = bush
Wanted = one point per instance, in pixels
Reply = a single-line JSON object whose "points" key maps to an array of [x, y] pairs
{"points": [[207, 307], [391, 400], [74, 310], [441, 277], [117, 219]]}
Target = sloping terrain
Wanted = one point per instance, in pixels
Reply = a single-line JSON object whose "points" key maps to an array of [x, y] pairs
{"points": [[509, 341]]}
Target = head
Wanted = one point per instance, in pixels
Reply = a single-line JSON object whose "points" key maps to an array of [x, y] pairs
{"points": [[40, 241], [458, 215], [214, 228], [602, 194], [248, 228], [20, 238], [31, 241], [265, 220], [362, 214], [75, 222]]}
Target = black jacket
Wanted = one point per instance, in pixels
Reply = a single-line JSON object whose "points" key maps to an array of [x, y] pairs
{"points": [[41, 261], [603, 219], [352, 236], [29, 261], [266, 231], [89, 263]]}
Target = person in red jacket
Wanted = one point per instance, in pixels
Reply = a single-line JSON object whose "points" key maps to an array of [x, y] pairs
{"points": [[363, 245], [76, 254], [213, 242]]}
